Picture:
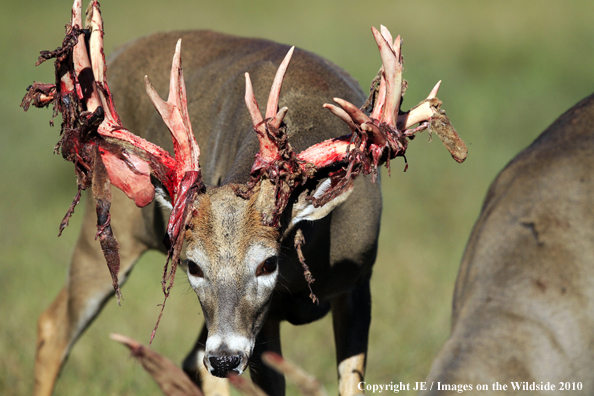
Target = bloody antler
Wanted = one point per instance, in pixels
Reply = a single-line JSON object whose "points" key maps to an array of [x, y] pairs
{"points": [[103, 151], [269, 149], [185, 182], [375, 139], [382, 136], [276, 160]]}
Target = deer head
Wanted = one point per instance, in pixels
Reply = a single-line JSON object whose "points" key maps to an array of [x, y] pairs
{"points": [[233, 232]]}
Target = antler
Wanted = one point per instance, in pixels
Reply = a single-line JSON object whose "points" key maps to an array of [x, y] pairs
{"points": [[185, 182], [382, 136], [276, 160], [267, 128], [103, 151], [374, 139]]}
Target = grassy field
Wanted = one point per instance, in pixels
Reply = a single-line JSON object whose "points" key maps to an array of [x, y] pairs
{"points": [[509, 68]]}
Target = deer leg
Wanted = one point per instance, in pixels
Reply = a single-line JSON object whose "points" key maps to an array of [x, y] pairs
{"points": [[266, 378], [351, 316], [194, 367], [87, 288]]}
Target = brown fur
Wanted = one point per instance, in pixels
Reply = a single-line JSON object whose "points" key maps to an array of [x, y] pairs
{"points": [[202, 229], [524, 297]]}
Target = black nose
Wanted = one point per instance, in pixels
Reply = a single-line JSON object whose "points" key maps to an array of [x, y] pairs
{"points": [[223, 365]]}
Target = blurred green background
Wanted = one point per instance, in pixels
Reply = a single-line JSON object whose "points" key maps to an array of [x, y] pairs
{"points": [[509, 68]]}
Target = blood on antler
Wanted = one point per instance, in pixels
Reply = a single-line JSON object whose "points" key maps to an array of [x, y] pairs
{"points": [[276, 160], [374, 139], [384, 134], [103, 151]]}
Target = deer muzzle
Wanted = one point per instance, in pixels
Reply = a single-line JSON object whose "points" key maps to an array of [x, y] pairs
{"points": [[226, 356]]}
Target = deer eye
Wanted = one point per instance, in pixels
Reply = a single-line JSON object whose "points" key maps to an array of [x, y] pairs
{"points": [[194, 269], [267, 266]]}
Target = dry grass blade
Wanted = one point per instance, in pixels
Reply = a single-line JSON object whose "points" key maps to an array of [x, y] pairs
{"points": [[173, 381], [170, 378], [308, 385]]}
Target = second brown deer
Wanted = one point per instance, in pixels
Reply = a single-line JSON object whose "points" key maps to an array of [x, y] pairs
{"points": [[521, 317]]}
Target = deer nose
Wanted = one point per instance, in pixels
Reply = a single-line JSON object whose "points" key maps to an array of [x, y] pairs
{"points": [[224, 363]]}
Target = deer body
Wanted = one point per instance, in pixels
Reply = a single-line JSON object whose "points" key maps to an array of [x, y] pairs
{"points": [[524, 297], [264, 202], [244, 297]]}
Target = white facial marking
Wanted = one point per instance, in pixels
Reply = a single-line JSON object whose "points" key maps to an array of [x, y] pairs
{"points": [[202, 261], [233, 342], [256, 254]]}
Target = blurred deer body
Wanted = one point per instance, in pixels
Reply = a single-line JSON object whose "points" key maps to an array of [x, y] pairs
{"points": [[247, 275], [524, 297]]}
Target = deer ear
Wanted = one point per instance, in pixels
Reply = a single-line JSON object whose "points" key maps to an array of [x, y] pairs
{"points": [[304, 209]]}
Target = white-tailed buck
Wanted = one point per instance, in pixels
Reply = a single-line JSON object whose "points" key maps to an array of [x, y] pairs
{"points": [[268, 203], [523, 308]]}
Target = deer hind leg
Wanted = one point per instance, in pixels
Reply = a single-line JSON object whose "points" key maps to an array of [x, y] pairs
{"points": [[351, 316], [194, 367], [87, 288]]}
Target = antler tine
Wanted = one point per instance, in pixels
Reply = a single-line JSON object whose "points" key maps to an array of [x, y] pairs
{"points": [[175, 115], [397, 49], [252, 104], [273, 98], [356, 114], [76, 15], [381, 97], [380, 100], [268, 148], [177, 90], [433, 93], [393, 75], [387, 35], [278, 118], [96, 42], [422, 112], [170, 378], [186, 175], [82, 61], [343, 115], [98, 63], [245, 386]]}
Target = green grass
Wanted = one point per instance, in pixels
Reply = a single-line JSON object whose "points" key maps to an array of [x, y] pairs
{"points": [[509, 68]]}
